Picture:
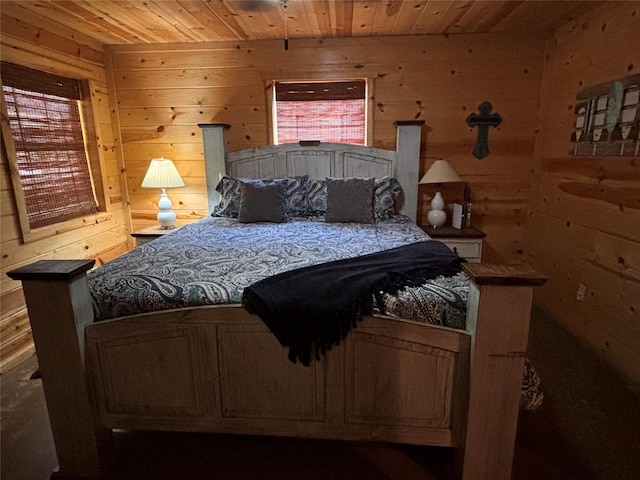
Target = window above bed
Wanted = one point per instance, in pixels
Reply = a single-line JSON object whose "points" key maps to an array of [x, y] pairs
{"points": [[328, 111]]}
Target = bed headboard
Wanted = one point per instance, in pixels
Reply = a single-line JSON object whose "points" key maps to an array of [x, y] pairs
{"points": [[318, 160]]}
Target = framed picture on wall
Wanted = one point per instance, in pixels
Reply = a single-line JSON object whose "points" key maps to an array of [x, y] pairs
{"points": [[607, 119]]}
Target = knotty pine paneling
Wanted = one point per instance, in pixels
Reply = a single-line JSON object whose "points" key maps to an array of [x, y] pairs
{"points": [[434, 49], [584, 225], [49, 33], [102, 236], [120, 22], [190, 115], [163, 91], [30, 54], [11, 302]]}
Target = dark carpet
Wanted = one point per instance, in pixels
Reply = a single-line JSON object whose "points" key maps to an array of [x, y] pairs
{"points": [[589, 425]]}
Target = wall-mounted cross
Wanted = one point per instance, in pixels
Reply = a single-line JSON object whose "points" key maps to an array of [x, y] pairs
{"points": [[483, 121]]}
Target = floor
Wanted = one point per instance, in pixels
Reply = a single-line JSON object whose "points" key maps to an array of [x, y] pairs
{"points": [[587, 429]]}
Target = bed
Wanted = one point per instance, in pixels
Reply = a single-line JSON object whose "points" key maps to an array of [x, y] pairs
{"points": [[213, 366]]}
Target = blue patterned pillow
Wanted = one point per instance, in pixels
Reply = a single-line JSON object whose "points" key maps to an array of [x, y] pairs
{"points": [[229, 190], [296, 196], [384, 197], [386, 191], [316, 197]]}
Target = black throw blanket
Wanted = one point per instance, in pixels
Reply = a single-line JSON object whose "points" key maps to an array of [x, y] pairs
{"points": [[311, 309]]}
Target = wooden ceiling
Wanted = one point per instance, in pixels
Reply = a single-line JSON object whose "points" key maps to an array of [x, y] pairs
{"points": [[169, 21]]}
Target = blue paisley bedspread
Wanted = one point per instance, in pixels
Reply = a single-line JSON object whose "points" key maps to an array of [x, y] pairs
{"points": [[212, 260]]}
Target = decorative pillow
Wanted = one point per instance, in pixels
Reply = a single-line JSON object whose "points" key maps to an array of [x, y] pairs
{"points": [[349, 200], [262, 202], [296, 195], [316, 197], [229, 190], [384, 197]]}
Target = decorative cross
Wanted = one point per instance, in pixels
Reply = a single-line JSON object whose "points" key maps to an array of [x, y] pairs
{"points": [[483, 122]]}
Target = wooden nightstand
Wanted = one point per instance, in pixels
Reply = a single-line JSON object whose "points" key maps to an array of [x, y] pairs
{"points": [[147, 234], [466, 242]]}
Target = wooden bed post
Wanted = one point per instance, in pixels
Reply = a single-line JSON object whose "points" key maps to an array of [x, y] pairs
{"points": [[215, 149], [408, 141], [83, 447], [498, 315]]}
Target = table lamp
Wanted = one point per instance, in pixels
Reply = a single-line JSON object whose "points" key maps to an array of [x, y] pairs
{"points": [[163, 174], [440, 172]]}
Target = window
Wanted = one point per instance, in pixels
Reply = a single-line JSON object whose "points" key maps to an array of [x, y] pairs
{"points": [[332, 111], [46, 146]]}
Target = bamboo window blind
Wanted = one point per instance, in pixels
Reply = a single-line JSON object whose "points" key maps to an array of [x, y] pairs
{"points": [[50, 152], [325, 111]]}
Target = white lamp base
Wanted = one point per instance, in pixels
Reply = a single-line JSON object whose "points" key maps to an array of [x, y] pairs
{"points": [[166, 216], [437, 216]]}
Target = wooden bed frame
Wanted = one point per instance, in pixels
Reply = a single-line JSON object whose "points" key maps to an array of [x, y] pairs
{"points": [[219, 369]]}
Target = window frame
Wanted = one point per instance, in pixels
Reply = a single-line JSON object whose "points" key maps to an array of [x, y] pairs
{"points": [[270, 100], [89, 131]]}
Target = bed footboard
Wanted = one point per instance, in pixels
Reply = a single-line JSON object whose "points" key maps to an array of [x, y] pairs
{"points": [[59, 306], [498, 315], [219, 369], [201, 369]]}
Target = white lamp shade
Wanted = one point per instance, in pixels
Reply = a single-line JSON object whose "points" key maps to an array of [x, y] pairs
{"points": [[440, 172], [162, 173]]}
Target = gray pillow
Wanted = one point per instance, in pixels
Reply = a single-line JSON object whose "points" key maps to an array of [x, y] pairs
{"points": [[262, 202], [349, 200]]}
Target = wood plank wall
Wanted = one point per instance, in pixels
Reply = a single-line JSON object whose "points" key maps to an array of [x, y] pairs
{"points": [[105, 235], [584, 224], [163, 91]]}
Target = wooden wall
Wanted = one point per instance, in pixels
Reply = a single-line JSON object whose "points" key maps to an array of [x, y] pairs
{"points": [[102, 236], [584, 224], [163, 91]]}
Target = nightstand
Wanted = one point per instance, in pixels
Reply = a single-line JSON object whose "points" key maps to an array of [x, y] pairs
{"points": [[147, 234], [466, 242]]}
